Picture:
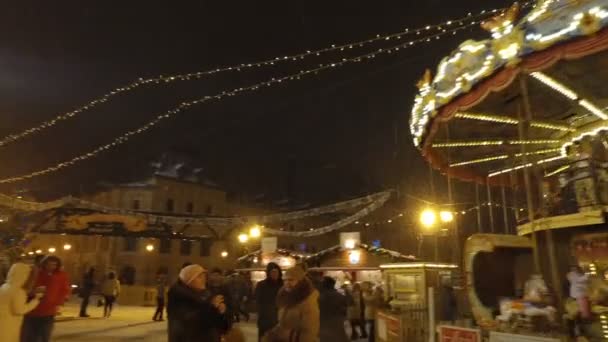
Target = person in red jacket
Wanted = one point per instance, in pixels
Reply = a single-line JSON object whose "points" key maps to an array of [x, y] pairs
{"points": [[38, 324]]}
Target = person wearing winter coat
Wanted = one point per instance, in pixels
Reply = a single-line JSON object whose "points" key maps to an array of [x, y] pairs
{"points": [[354, 312], [13, 302], [192, 314], [266, 299], [372, 301], [86, 290], [298, 303], [332, 306], [38, 323], [110, 289]]}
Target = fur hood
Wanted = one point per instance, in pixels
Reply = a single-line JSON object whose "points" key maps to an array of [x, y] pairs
{"points": [[303, 290]]}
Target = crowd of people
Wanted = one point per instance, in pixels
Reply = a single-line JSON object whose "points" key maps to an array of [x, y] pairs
{"points": [[201, 305]]}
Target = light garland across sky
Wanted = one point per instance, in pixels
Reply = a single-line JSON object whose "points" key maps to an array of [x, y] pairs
{"points": [[236, 91], [449, 26]]}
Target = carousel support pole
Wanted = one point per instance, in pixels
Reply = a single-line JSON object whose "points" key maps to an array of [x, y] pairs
{"points": [[515, 201], [555, 277], [504, 210], [478, 208], [436, 235], [490, 205], [523, 128], [457, 251]]}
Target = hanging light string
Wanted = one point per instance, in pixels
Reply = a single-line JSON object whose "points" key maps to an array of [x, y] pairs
{"points": [[445, 27], [186, 105]]}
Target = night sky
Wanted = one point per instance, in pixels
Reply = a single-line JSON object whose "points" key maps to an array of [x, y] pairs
{"points": [[344, 132]]}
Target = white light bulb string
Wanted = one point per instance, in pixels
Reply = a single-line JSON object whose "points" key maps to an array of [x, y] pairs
{"points": [[185, 105], [197, 75]]}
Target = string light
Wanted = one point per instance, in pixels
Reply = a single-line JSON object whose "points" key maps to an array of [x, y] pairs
{"points": [[533, 142], [495, 142], [569, 93], [556, 171], [481, 160], [244, 66], [469, 143], [512, 121], [519, 167], [186, 105]]}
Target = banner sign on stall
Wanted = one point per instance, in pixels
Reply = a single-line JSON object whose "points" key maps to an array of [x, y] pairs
{"points": [[458, 334], [269, 245]]}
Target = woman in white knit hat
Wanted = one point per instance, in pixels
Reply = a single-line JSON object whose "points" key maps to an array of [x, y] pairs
{"points": [[192, 316]]}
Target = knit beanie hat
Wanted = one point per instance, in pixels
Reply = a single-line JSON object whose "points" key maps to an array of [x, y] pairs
{"points": [[189, 273], [297, 273]]}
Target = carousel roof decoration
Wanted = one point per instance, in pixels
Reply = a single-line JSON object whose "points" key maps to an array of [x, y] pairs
{"points": [[561, 45], [370, 248]]}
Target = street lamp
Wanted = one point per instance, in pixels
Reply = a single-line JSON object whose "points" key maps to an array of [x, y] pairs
{"points": [[224, 254], [39, 251], [428, 218], [243, 238], [149, 247], [52, 250], [255, 231], [67, 247], [446, 216]]}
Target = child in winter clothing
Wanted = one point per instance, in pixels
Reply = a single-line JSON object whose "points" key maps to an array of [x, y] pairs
{"points": [[13, 302]]}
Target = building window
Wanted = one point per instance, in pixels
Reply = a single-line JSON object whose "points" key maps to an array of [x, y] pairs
{"points": [[185, 247], [135, 205], [170, 205], [205, 248], [190, 207], [130, 244], [165, 246], [209, 209]]}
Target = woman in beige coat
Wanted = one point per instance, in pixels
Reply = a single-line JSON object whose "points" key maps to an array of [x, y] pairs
{"points": [[298, 303]]}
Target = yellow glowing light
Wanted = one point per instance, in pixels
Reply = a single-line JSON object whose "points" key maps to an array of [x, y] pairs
{"points": [[350, 243], [428, 218], [30, 253], [52, 249], [243, 238], [446, 216], [149, 247], [255, 231], [39, 251], [224, 254], [67, 247]]}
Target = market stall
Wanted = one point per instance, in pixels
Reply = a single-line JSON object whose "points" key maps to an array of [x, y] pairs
{"points": [[417, 293], [353, 262]]}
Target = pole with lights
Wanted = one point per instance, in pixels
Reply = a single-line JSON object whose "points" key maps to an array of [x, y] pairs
{"points": [[431, 225]]}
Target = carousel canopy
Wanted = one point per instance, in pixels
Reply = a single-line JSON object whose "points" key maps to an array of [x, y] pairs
{"points": [[520, 98]]}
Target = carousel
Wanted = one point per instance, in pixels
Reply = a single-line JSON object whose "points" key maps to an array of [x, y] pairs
{"points": [[524, 114]]}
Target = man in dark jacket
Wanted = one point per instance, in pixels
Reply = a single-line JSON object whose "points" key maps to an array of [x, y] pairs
{"points": [[266, 299], [193, 316], [86, 290], [332, 306]]}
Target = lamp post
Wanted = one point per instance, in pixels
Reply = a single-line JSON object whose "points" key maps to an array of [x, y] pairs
{"points": [[428, 219]]}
